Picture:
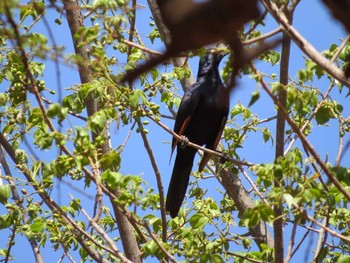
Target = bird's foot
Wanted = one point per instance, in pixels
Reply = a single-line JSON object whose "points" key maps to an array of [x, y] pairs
{"points": [[183, 142], [224, 157]]}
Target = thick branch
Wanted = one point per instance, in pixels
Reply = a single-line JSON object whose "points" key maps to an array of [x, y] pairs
{"points": [[164, 32], [243, 201], [280, 132], [75, 22]]}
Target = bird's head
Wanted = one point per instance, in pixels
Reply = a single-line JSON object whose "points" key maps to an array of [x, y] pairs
{"points": [[210, 61]]}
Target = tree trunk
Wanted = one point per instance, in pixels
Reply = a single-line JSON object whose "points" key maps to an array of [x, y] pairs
{"points": [[75, 21]]}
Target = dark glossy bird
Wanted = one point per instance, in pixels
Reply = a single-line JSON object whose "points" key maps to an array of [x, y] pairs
{"points": [[201, 118]]}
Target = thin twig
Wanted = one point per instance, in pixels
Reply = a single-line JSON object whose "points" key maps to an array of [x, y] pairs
{"points": [[291, 243], [301, 241], [143, 48], [256, 190], [322, 237], [302, 137], [10, 243], [155, 239], [198, 147], [244, 257], [313, 220], [102, 233], [304, 45], [263, 37], [127, 138], [98, 198], [158, 178]]}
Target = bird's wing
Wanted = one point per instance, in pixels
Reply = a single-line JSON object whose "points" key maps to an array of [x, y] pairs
{"points": [[206, 157], [187, 106]]}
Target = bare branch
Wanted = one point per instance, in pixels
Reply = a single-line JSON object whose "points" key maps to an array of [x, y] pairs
{"points": [[158, 178], [291, 243], [198, 147], [313, 220], [322, 237]]}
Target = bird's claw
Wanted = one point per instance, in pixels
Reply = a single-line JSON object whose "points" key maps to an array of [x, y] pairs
{"points": [[183, 142]]}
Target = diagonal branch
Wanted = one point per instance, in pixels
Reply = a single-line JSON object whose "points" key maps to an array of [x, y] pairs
{"points": [[15, 196], [102, 233], [158, 177], [303, 44], [302, 137], [164, 32]]}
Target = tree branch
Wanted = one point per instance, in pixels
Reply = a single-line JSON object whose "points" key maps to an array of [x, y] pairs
{"points": [[304, 45], [15, 196], [102, 233], [158, 178], [164, 32], [302, 137], [75, 22], [280, 132]]}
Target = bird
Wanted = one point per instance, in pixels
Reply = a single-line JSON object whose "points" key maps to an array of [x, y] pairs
{"points": [[201, 119]]}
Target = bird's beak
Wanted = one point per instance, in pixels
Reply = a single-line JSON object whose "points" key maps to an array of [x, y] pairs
{"points": [[221, 51]]}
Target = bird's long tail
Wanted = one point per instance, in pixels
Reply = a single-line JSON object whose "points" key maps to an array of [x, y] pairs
{"points": [[179, 180]]}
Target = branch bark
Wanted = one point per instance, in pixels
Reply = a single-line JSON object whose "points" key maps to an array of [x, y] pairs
{"points": [[15, 196], [233, 185], [164, 32], [280, 132], [303, 44], [75, 22]]}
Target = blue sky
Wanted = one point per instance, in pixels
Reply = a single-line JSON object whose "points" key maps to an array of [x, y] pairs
{"points": [[313, 22]]}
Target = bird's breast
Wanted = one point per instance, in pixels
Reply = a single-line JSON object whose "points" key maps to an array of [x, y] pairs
{"points": [[206, 120]]}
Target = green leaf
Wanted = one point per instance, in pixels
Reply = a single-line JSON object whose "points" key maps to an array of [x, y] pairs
{"points": [[198, 221], [112, 179], [136, 96], [151, 248], [344, 259], [271, 56], [38, 226], [97, 122], [216, 259], [267, 134], [5, 193], [153, 35], [289, 200], [266, 213], [345, 53], [6, 221], [110, 160], [327, 111], [254, 98], [204, 258]]}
